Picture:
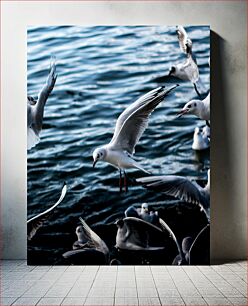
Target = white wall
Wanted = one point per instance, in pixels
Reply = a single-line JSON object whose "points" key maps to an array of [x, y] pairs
{"points": [[229, 104]]}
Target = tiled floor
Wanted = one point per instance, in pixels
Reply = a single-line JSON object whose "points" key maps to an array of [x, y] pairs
{"points": [[123, 285]]}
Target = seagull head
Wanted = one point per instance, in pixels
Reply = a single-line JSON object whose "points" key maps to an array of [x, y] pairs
{"points": [[197, 132], [172, 70], [119, 223], [191, 107], [144, 208], [98, 154], [80, 232]]}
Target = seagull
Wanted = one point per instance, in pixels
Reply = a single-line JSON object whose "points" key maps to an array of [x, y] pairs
{"points": [[135, 234], [130, 126], [199, 108], [181, 188], [192, 251], [200, 140], [206, 131], [35, 109], [166, 227], [143, 213], [88, 244], [36, 222], [188, 70]]}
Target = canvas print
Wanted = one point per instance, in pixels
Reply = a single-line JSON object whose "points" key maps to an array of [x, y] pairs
{"points": [[118, 145]]}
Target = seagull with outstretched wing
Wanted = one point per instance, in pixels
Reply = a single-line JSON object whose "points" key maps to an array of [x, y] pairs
{"points": [[130, 126], [187, 70], [36, 222], [88, 244], [181, 188], [35, 109]]}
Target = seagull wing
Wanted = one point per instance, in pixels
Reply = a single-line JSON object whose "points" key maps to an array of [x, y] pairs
{"points": [[191, 69], [178, 187], [132, 123], [166, 227], [94, 239], [36, 222], [199, 251], [185, 42], [44, 94]]}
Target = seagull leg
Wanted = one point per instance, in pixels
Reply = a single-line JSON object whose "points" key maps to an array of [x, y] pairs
{"points": [[125, 182], [197, 91], [120, 182]]}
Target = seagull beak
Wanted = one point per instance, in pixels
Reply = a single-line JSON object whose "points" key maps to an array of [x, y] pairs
{"points": [[94, 163], [182, 112]]}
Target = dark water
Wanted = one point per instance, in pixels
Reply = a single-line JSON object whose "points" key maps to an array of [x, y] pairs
{"points": [[101, 70]]}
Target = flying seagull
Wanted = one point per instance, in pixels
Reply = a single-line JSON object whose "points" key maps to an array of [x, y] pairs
{"points": [[36, 222], [199, 108], [130, 126], [181, 188], [35, 109], [188, 70]]}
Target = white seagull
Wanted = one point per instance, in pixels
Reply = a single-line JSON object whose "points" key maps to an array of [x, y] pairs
{"points": [[35, 109], [36, 222], [130, 126], [200, 140], [181, 188], [87, 245], [188, 70], [199, 108]]}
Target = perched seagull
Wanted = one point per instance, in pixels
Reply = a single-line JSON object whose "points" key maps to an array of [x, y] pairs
{"points": [[138, 235], [181, 188], [200, 140], [130, 126], [88, 244], [35, 109], [199, 108], [188, 70], [143, 213], [36, 222]]}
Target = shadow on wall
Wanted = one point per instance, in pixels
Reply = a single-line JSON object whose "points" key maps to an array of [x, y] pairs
{"points": [[222, 212]]}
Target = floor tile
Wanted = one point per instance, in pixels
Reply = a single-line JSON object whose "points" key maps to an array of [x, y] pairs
{"points": [[121, 301], [217, 301], [26, 301], [99, 301], [50, 301], [73, 301], [168, 301], [4, 301], [126, 292], [199, 301], [239, 301], [149, 301], [147, 292]]}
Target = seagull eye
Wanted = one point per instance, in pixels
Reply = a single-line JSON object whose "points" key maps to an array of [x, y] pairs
{"points": [[194, 104]]}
